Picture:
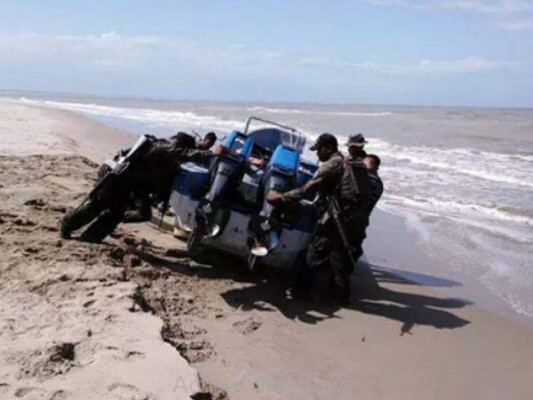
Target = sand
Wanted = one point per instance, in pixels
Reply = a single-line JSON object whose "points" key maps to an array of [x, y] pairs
{"points": [[29, 130], [136, 318], [70, 325]]}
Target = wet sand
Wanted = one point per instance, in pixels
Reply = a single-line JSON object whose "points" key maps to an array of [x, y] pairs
{"points": [[118, 320]]}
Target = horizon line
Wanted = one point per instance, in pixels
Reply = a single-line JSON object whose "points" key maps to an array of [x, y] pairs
{"points": [[4, 91]]}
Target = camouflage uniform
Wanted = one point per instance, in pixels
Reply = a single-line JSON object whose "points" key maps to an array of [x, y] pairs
{"points": [[376, 190], [325, 250], [323, 183]]}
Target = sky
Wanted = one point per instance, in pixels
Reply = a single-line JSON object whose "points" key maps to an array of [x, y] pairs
{"points": [[413, 52]]}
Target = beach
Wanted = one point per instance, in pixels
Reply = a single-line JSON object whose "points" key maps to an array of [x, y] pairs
{"points": [[457, 179], [137, 318]]}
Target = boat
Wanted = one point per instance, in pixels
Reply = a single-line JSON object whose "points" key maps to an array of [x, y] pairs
{"points": [[222, 206]]}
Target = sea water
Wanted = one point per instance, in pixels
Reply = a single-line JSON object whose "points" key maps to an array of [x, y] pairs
{"points": [[460, 178]]}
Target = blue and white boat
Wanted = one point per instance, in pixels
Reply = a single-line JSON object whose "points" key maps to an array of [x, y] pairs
{"points": [[221, 206]]}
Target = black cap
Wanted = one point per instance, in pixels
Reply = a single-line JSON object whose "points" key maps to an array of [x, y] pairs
{"points": [[356, 140], [326, 139]]}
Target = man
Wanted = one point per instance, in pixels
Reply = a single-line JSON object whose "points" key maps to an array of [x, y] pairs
{"points": [[356, 144], [326, 246], [150, 175], [208, 141], [372, 163], [326, 178]]}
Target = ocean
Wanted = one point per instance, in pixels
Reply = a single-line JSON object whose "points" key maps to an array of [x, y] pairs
{"points": [[460, 178]]}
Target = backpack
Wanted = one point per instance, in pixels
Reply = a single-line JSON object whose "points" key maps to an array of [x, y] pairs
{"points": [[354, 188]]}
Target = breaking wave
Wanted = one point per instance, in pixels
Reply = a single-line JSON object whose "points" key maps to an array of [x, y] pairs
{"points": [[316, 112], [511, 169], [446, 207], [145, 115]]}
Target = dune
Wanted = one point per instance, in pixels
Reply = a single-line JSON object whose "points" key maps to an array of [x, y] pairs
{"points": [[137, 318]]}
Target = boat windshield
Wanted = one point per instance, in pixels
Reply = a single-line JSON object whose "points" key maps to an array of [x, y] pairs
{"points": [[270, 138]]}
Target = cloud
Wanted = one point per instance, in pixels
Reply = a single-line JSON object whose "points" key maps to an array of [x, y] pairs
{"points": [[478, 6], [313, 60], [525, 24], [114, 50], [468, 65], [435, 67], [111, 63], [96, 47], [515, 15], [119, 53]]}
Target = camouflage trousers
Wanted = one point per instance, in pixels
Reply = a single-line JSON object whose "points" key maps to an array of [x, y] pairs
{"points": [[327, 258]]}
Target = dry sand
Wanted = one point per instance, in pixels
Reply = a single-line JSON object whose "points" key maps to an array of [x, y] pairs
{"points": [[105, 321], [70, 325]]}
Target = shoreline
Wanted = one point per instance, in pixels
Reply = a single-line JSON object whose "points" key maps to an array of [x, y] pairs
{"points": [[103, 142], [91, 139], [239, 331], [414, 260]]}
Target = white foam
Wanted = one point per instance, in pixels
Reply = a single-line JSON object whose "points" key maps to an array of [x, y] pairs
{"points": [[469, 217], [497, 284], [414, 222], [173, 119], [317, 112], [452, 206], [510, 169]]}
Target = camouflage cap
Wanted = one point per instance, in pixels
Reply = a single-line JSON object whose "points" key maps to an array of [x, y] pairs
{"points": [[356, 140]]}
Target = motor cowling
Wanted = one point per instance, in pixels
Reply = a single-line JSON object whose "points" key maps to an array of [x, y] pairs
{"points": [[280, 176], [226, 175]]}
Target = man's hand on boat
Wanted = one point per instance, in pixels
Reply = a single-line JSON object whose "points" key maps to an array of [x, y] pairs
{"points": [[258, 162], [219, 150], [273, 197]]}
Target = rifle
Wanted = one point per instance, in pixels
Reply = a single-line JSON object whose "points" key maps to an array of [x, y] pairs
{"points": [[334, 211]]}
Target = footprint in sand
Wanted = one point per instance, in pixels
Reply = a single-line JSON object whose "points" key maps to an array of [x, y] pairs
{"points": [[35, 203], [35, 393], [127, 392], [119, 354], [248, 325], [132, 355], [4, 388], [59, 395], [23, 222]]}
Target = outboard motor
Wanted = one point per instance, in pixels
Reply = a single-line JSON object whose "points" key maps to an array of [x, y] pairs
{"points": [[280, 176], [225, 176]]}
